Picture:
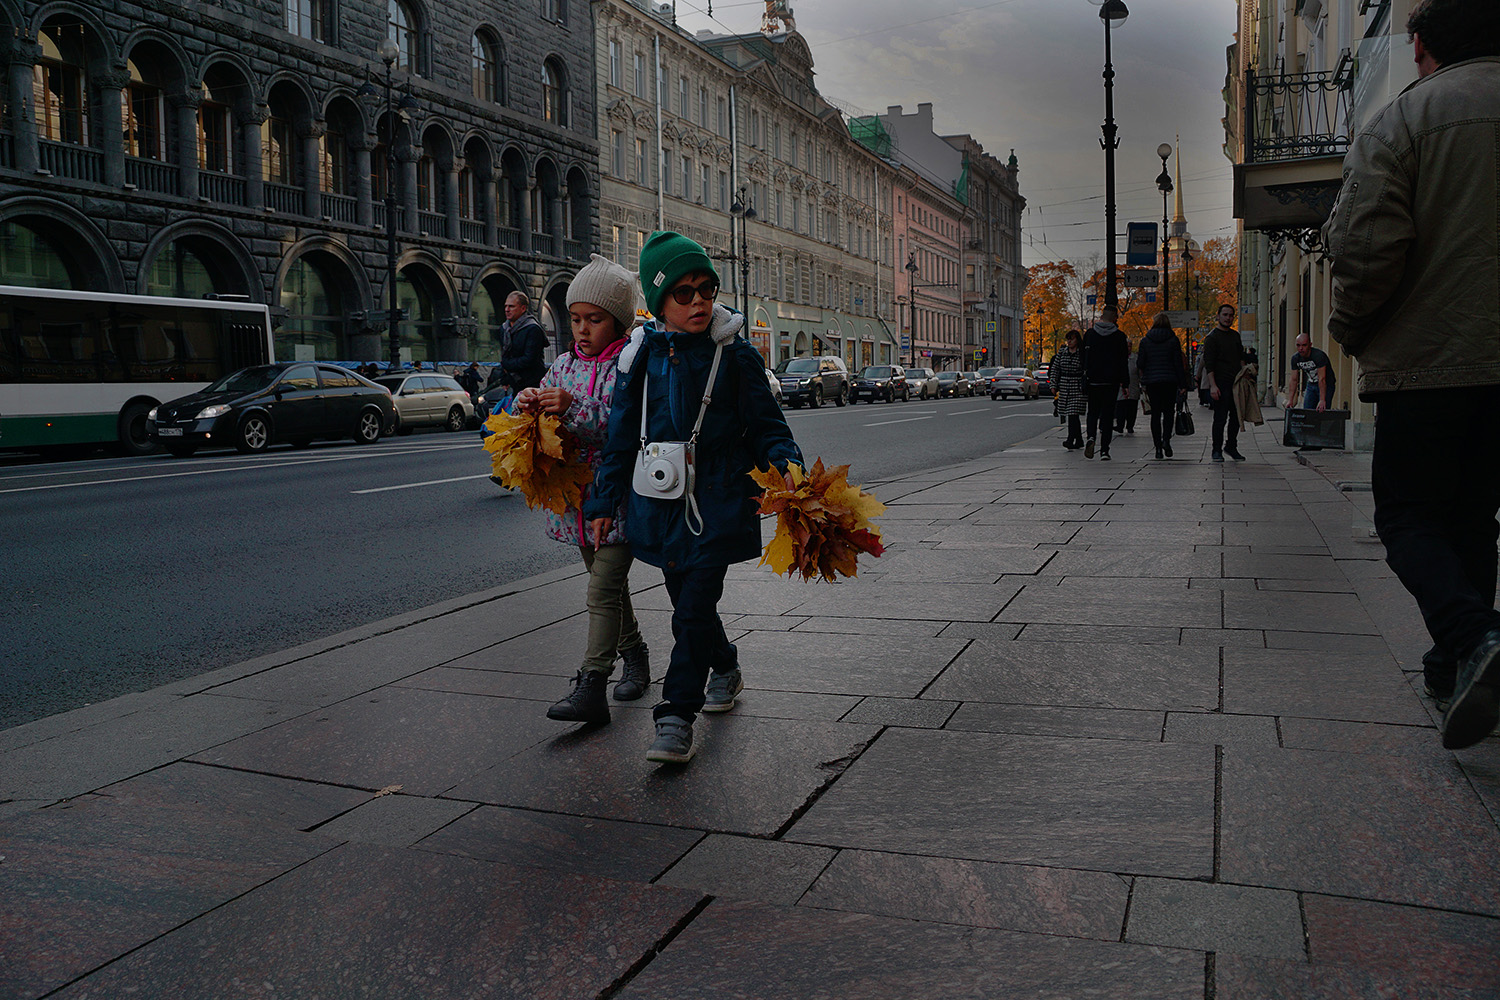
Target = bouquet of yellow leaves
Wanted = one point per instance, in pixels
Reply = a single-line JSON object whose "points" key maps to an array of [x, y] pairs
{"points": [[822, 521], [533, 453]]}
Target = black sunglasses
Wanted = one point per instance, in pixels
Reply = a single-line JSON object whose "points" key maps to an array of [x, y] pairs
{"points": [[683, 294]]}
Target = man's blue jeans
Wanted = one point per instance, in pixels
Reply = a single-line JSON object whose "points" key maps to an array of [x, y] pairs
{"points": [[699, 645], [1310, 397]]}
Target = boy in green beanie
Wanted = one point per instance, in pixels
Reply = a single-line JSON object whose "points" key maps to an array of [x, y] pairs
{"points": [[688, 376]]}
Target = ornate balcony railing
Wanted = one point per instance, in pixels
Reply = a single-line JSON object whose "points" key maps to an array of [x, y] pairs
{"points": [[433, 223], [509, 236], [341, 208], [285, 199], [471, 230], [223, 188], [151, 175], [574, 250], [64, 159], [543, 243], [1295, 115]]}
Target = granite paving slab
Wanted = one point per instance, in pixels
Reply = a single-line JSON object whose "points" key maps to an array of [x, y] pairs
{"points": [[1324, 686], [1134, 635], [1115, 602], [980, 630], [1370, 826], [1243, 978], [489, 683], [766, 595], [330, 677], [395, 820], [376, 922], [425, 741], [763, 703], [974, 535], [941, 565], [975, 893], [867, 626], [1148, 534], [1227, 919], [919, 713], [93, 878], [749, 868], [1301, 612], [1108, 805], [1241, 638], [552, 649], [631, 852], [879, 664], [1048, 720], [749, 775], [928, 601], [747, 949], [1131, 561], [1007, 513], [1372, 644], [1067, 674], [1407, 942], [1359, 737], [927, 512], [1218, 729], [1260, 566]]}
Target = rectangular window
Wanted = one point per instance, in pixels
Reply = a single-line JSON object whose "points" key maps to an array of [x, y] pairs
{"points": [[723, 118], [703, 107], [723, 191], [640, 244], [333, 162], [796, 215], [682, 96], [278, 151], [686, 191], [615, 69], [642, 163], [617, 153], [640, 75], [141, 109], [754, 127], [310, 19], [776, 141], [705, 186], [616, 247], [791, 150]]}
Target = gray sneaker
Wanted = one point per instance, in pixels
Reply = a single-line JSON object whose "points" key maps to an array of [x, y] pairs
{"points": [[721, 690], [674, 741], [1475, 708]]}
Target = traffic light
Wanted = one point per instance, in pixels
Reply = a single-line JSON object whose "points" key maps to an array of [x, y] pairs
{"points": [[984, 350]]}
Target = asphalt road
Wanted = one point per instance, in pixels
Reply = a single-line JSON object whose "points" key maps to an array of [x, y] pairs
{"points": [[120, 575]]}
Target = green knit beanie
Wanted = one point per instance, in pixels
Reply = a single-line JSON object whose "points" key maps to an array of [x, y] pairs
{"points": [[665, 258]]}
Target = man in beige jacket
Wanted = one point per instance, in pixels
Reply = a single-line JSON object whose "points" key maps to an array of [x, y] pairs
{"points": [[1416, 299]]}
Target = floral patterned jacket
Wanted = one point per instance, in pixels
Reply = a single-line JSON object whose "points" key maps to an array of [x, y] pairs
{"points": [[591, 382]]}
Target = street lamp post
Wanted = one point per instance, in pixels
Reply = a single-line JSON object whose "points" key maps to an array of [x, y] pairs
{"points": [[389, 51], [911, 293], [1187, 258], [994, 331], [1164, 185], [1110, 12], [742, 210]]}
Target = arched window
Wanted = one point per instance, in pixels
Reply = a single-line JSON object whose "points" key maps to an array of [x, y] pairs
{"points": [[314, 314], [427, 182], [142, 112], [181, 272], [278, 148], [60, 85], [402, 28], [485, 60], [33, 260], [554, 96], [333, 162], [216, 124]]}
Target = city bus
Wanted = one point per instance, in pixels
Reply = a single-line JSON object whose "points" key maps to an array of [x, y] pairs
{"points": [[82, 369]]}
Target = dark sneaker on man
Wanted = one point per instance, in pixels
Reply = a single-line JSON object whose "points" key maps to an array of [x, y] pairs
{"points": [[586, 701], [1088, 449], [1234, 453], [1104, 456], [1439, 673], [1475, 708], [1167, 448], [674, 741], [721, 690], [1158, 452], [635, 677], [1441, 696], [1218, 456]]}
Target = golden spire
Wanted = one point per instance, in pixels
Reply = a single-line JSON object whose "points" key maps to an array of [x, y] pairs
{"points": [[1179, 220]]}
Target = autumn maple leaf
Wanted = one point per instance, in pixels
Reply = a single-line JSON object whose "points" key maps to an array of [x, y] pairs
{"points": [[822, 521], [535, 455]]}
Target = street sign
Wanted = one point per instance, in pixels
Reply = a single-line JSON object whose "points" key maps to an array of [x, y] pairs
{"points": [[1091, 299], [989, 326], [1142, 277], [1150, 296], [906, 343], [1183, 318], [1140, 244]]}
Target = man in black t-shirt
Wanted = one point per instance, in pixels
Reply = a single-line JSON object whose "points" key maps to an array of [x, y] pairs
{"points": [[1317, 377]]}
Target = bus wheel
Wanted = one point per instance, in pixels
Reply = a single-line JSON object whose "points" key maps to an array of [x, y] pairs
{"points": [[254, 434], [132, 431]]}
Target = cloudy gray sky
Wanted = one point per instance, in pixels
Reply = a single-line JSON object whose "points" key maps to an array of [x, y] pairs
{"points": [[1026, 74]]}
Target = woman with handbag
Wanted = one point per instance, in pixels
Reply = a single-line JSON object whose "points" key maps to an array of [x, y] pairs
{"points": [[1071, 401], [1163, 375]]}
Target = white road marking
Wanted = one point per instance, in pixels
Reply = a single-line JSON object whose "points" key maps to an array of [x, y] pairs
{"points": [[412, 486], [1049, 416], [959, 413], [215, 471], [882, 423]]}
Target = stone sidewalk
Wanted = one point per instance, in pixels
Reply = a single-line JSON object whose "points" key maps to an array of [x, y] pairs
{"points": [[1132, 729]]}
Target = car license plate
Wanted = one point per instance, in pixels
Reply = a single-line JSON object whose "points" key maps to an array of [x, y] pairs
{"points": [[169, 432]]}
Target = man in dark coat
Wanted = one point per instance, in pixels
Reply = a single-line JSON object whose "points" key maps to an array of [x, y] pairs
{"points": [[1106, 368], [525, 345], [1223, 357]]}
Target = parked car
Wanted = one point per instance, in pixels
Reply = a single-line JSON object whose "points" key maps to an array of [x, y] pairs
{"points": [[256, 407], [812, 380], [887, 382], [953, 384], [424, 399], [923, 382], [775, 384], [974, 387], [1013, 382], [1043, 382], [982, 379]]}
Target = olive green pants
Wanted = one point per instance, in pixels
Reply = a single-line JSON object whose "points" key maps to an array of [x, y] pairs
{"points": [[612, 625]]}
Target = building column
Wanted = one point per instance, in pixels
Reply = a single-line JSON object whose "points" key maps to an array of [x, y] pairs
{"points": [[112, 123], [252, 169], [407, 156], [559, 229], [490, 209], [450, 196], [364, 213], [312, 159], [185, 107], [24, 55], [525, 220]]}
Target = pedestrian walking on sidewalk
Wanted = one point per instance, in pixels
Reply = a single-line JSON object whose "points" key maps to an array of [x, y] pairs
{"points": [[1223, 357], [690, 377], [1069, 399], [1129, 402], [1106, 369], [1416, 262], [1316, 376], [1163, 375], [578, 389]]}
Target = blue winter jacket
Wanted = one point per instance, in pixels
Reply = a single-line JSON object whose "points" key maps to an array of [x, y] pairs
{"points": [[743, 429]]}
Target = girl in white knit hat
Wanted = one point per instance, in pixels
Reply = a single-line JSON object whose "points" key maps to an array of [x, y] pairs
{"points": [[577, 389]]}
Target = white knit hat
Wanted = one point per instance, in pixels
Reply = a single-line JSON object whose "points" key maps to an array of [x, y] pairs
{"points": [[609, 286]]}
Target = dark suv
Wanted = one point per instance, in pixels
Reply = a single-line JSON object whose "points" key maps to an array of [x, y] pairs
{"points": [[887, 382], [812, 380]]}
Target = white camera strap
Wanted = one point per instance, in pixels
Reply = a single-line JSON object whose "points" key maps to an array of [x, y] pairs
{"points": [[690, 514]]}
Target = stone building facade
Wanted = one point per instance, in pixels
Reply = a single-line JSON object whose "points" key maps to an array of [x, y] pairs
{"points": [[696, 129], [249, 148]]}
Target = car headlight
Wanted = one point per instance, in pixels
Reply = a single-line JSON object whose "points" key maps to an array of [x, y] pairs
{"points": [[151, 414], [209, 412]]}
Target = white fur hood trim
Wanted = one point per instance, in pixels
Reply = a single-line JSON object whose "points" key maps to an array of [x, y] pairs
{"points": [[725, 326]]}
